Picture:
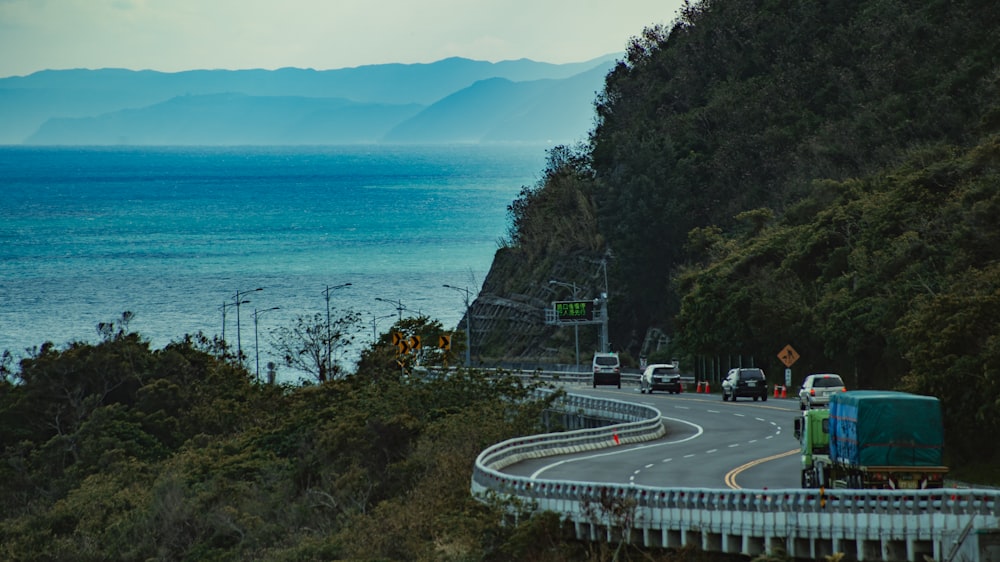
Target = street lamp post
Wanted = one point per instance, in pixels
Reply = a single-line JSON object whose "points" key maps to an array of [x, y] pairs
{"points": [[399, 306], [468, 323], [329, 336], [576, 327], [223, 308], [374, 320], [606, 343], [256, 342], [238, 300]]}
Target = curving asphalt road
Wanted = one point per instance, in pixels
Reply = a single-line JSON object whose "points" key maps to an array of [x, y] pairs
{"points": [[709, 444]]}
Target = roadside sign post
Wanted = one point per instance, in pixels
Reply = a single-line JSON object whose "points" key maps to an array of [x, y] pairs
{"points": [[788, 356]]}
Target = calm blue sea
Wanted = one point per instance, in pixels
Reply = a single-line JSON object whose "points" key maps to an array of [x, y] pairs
{"points": [[172, 234]]}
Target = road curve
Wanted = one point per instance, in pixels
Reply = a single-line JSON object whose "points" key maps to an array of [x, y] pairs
{"points": [[709, 444]]}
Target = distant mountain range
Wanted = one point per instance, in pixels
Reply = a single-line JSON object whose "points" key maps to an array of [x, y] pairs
{"points": [[454, 100]]}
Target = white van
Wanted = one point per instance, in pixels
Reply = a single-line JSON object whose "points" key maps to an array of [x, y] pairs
{"points": [[607, 369]]}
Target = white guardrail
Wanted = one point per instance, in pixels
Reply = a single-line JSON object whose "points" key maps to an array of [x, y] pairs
{"points": [[944, 524]]}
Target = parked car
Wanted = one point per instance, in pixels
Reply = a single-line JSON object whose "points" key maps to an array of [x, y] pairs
{"points": [[746, 382], [607, 369], [817, 389], [661, 376]]}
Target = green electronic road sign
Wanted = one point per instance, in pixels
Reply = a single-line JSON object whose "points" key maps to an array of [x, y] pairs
{"points": [[570, 311]]}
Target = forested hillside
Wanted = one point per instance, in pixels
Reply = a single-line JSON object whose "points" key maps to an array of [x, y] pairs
{"points": [[821, 174], [824, 174], [115, 451]]}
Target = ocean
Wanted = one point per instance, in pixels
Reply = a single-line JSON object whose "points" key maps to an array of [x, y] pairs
{"points": [[174, 234]]}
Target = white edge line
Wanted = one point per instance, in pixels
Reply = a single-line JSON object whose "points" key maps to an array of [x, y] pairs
{"points": [[698, 433]]}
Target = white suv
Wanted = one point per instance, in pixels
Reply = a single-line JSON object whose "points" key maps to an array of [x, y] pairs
{"points": [[607, 369], [817, 389]]}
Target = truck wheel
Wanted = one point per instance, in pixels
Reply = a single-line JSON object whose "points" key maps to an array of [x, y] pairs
{"points": [[764, 397]]}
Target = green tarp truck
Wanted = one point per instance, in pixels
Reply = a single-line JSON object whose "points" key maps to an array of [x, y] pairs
{"points": [[873, 439]]}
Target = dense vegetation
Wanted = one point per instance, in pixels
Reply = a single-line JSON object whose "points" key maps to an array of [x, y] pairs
{"points": [[820, 174], [115, 451], [762, 172]]}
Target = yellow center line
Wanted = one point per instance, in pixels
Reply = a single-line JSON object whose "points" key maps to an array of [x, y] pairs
{"points": [[732, 474]]}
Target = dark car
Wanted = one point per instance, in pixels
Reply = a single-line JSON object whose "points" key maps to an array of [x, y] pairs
{"points": [[744, 382], [660, 376]]}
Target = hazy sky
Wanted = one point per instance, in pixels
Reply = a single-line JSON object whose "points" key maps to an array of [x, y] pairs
{"points": [[172, 35]]}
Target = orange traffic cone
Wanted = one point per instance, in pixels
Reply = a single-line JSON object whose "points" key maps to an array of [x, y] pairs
{"points": [[784, 392], [697, 387], [706, 387], [777, 391]]}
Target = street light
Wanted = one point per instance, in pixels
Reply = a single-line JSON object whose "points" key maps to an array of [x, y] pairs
{"points": [[375, 319], [576, 327], [223, 308], [256, 344], [329, 337], [399, 306], [468, 323], [238, 300]]}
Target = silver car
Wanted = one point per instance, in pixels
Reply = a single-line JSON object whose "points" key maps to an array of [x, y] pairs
{"points": [[817, 389]]}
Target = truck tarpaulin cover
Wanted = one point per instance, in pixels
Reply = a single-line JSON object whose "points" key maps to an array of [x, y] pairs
{"points": [[885, 428]]}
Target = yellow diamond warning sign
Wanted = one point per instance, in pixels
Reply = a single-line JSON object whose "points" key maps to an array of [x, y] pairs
{"points": [[788, 355]]}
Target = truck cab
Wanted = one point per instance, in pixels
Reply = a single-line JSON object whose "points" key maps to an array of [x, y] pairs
{"points": [[812, 429]]}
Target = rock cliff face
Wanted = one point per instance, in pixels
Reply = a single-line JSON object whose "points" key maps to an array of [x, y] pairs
{"points": [[508, 316]]}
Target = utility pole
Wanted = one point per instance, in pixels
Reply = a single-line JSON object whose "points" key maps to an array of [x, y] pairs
{"points": [[605, 344], [468, 323], [399, 306]]}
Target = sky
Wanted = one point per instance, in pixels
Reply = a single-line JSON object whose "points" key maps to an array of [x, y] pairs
{"points": [[175, 35]]}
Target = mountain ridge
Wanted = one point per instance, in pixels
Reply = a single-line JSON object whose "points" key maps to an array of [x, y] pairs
{"points": [[80, 106]]}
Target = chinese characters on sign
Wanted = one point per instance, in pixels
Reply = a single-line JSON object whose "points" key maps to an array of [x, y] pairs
{"points": [[574, 310]]}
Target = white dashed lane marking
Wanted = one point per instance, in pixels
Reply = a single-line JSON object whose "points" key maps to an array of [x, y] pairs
{"points": [[775, 425]]}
